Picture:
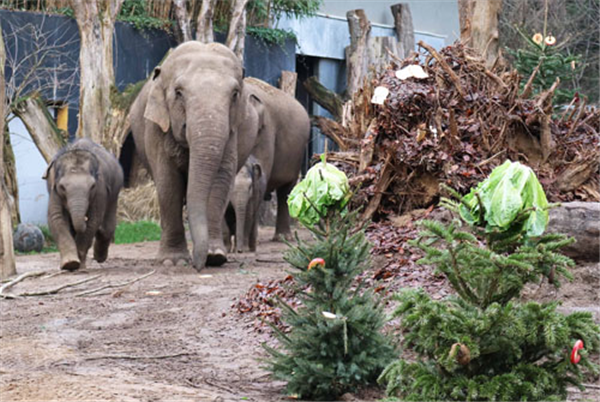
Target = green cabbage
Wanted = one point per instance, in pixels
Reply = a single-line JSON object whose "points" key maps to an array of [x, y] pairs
{"points": [[512, 199], [324, 188]]}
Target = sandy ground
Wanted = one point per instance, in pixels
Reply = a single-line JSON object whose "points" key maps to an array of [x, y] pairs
{"points": [[172, 336]]}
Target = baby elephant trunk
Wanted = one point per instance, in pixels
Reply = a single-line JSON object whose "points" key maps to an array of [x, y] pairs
{"points": [[78, 208]]}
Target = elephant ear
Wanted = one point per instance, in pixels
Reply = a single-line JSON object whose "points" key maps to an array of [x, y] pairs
{"points": [[156, 107], [259, 106], [256, 171]]}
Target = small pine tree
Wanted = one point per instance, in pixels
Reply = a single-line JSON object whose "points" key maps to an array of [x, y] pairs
{"points": [[553, 63], [335, 344], [482, 344]]}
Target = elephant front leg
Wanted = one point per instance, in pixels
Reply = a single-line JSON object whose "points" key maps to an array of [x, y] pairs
{"points": [[171, 190], [217, 205], [61, 232], [282, 227], [106, 233]]}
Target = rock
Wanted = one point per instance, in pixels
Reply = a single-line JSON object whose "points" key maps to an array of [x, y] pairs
{"points": [[28, 237], [580, 220]]}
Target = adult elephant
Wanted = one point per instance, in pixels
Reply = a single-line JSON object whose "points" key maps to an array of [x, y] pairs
{"points": [[195, 123]]}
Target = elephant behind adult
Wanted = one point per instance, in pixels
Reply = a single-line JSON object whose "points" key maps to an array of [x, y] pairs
{"points": [[284, 130]]}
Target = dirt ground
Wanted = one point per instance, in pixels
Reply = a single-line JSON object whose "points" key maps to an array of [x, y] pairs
{"points": [[171, 336]]}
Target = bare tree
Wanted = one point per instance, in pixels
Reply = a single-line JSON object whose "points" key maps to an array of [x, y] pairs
{"points": [[96, 22], [183, 19], [479, 27], [237, 28], [204, 26], [40, 68], [7, 257]]}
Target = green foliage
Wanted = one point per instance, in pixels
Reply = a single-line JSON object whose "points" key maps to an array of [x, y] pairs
{"points": [[481, 344], [271, 36], [136, 13], [335, 344], [272, 10], [136, 232], [553, 64]]}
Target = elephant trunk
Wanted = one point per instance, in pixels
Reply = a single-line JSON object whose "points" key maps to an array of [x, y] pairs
{"points": [[78, 207], [206, 140], [240, 207]]}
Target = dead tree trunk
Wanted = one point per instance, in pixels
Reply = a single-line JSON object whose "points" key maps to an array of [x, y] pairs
{"points": [[237, 28], [465, 15], [479, 27], [357, 54], [485, 33], [7, 256], [404, 28], [204, 25], [96, 20], [287, 82], [183, 20], [46, 135]]}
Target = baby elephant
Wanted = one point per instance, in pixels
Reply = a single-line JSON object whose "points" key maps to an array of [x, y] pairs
{"points": [[83, 182], [242, 213]]}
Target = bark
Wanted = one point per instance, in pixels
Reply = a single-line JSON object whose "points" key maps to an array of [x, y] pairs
{"points": [[465, 16], [357, 57], [578, 220], [484, 30], [324, 97], [404, 28], [7, 256], [383, 50], [333, 130], [237, 28], [183, 19], [479, 27], [204, 25], [96, 20], [287, 83], [48, 138], [10, 176]]}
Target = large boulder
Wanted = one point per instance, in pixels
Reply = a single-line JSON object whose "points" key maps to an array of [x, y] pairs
{"points": [[28, 237], [580, 220]]}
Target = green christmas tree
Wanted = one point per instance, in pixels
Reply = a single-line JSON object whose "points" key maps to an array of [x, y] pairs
{"points": [[544, 54], [483, 344], [335, 344]]}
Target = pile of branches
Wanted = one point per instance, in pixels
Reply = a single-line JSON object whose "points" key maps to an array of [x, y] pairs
{"points": [[454, 127]]}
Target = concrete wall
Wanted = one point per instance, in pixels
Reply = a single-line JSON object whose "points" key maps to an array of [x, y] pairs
{"points": [[429, 16]]}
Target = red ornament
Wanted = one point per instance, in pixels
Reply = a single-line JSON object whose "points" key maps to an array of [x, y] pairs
{"points": [[575, 356], [316, 261]]}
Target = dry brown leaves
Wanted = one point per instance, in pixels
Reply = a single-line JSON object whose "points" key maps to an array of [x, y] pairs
{"points": [[455, 129]]}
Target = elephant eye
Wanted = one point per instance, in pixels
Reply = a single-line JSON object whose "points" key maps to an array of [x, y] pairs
{"points": [[236, 95], [178, 93]]}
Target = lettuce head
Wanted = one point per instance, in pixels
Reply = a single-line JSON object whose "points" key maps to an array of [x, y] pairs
{"points": [[324, 188]]}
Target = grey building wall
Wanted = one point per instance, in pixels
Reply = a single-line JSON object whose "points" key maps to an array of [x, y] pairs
{"points": [[433, 16]]}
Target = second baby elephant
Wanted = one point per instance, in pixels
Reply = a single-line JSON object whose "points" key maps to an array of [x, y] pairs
{"points": [[242, 214], [83, 182]]}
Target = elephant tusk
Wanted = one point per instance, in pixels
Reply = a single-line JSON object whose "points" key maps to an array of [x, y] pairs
{"points": [[86, 218]]}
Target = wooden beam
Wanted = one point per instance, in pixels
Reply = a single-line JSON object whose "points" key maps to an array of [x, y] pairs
{"points": [[324, 97], [404, 28]]}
